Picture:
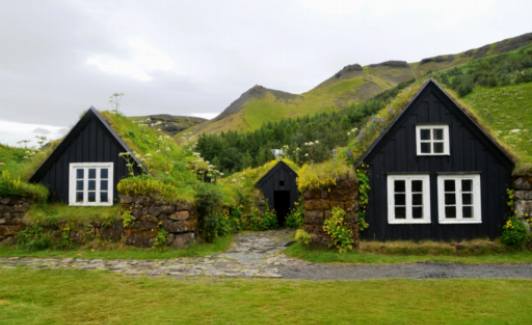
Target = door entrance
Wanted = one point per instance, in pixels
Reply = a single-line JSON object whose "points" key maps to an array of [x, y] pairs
{"points": [[281, 205]]}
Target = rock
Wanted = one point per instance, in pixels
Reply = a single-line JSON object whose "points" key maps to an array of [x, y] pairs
{"points": [[180, 215], [167, 209], [523, 195], [2, 221], [523, 208], [181, 240], [155, 210], [522, 183], [126, 199]]}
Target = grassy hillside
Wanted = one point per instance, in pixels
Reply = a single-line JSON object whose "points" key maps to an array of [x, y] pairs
{"points": [[351, 85], [169, 124]]}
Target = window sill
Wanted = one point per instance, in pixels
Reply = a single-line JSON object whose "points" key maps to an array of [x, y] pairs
{"points": [[409, 222], [459, 222], [91, 204]]}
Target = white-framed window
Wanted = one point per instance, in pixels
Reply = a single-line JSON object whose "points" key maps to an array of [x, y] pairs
{"points": [[459, 199], [408, 199], [432, 140], [91, 183]]}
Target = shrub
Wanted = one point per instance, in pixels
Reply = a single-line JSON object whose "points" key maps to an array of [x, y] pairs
{"points": [[302, 237], [294, 219], [210, 213], [514, 232], [33, 237], [335, 227]]}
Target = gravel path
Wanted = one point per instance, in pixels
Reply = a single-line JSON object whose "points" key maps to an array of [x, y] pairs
{"points": [[259, 254]]}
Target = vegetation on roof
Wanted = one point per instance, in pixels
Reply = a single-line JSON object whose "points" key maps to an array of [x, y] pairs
{"points": [[324, 174], [170, 167]]}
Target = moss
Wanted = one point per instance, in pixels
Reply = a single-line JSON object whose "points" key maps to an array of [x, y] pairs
{"points": [[312, 176], [49, 214]]}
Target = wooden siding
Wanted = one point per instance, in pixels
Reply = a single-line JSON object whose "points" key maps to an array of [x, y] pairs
{"points": [[470, 152], [271, 182], [89, 141]]}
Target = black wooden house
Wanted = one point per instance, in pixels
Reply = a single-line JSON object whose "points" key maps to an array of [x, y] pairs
{"points": [[436, 174], [279, 187], [85, 167]]}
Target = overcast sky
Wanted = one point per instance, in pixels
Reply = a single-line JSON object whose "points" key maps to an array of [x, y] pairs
{"points": [[195, 57]]}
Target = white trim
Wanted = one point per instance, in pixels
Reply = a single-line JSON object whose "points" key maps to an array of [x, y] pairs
{"points": [[425, 179], [432, 141], [475, 196], [85, 166]]}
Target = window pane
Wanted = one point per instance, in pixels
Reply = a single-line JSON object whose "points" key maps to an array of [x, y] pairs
{"points": [[438, 147], [417, 212], [92, 196], [425, 134], [104, 197], [92, 173], [399, 186], [104, 173], [450, 199], [92, 185], [400, 213], [103, 185], [417, 186], [400, 199], [79, 196], [425, 147], [466, 199], [79, 185], [449, 185], [438, 134], [450, 212], [467, 212], [466, 185], [417, 199], [79, 173]]}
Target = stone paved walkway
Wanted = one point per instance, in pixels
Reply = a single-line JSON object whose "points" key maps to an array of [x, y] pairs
{"points": [[259, 254]]}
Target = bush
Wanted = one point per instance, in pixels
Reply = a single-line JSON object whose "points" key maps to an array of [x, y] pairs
{"points": [[161, 238], [514, 232], [294, 219], [210, 213], [33, 238], [302, 237], [335, 227]]}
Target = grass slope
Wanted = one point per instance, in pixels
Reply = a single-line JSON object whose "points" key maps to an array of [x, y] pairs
{"points": [[74, 297]]}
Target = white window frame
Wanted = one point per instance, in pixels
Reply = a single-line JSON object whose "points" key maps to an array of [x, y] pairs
{"points": [[425, 179], [475, 196], [86, 166], [431, 141]]}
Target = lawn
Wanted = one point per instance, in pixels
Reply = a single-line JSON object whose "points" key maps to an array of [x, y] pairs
{"points": [[363, 257], [94, 297], [116, 251]]}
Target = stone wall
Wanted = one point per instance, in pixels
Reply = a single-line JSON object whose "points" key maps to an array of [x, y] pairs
{"points": [[12, 211], [178, 219], [318, 204], [523, 196]]}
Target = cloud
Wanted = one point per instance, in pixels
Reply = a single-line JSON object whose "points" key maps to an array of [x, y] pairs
{"points": [[26, 134]]}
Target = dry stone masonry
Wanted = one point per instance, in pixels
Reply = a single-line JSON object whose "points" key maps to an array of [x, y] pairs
{"points": [[523, 196], [318, 204], [177, 219], [12, 211]]}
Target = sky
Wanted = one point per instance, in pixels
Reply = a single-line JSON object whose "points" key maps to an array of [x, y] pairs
{"points": [[59, 57]]}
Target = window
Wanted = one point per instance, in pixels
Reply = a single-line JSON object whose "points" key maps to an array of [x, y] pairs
{"points": [[432, 140], [91, 184], [459, 199], [408, 199]]}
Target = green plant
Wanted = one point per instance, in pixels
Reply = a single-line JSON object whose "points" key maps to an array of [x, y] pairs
{"points": [[514, 232], [209, 206], [12, 186], [127, 218], [161, 239], [294, 219], [269, 219], [363, 195], [302, 237], [33, 237], [341, 235]]}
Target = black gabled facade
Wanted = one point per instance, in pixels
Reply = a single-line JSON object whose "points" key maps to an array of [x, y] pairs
{"points": [[414, 177], [279, 187], [90, 141]]}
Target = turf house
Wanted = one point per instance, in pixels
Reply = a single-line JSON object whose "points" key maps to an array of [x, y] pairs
{"points": [[436, 174]]}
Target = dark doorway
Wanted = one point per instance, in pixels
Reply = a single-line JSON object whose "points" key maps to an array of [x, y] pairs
{"points": [[281, 205]]}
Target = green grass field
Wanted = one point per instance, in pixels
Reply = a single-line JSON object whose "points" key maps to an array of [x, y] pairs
{"points": [[362, 257], [92, 297], [116, 251]]}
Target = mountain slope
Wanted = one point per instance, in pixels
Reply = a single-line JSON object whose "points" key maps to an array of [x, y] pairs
{"points": [[170, 124], [351, 85]]}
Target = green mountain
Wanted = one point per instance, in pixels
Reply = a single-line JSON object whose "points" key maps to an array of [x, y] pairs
{"points": [[351, 85]]}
